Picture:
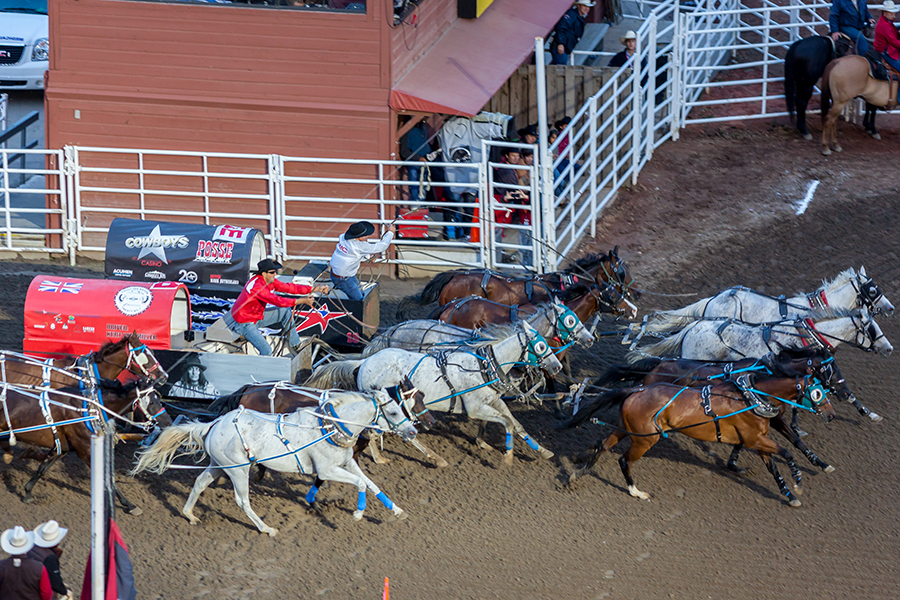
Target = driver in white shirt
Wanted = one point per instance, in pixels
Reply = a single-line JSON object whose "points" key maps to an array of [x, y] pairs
{"points": [[352, 248]]}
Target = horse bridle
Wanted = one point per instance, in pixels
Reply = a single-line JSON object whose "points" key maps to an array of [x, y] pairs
{"points": [[868, 294], [141, 355], [142, 403], [865, 330], [534, 346], [613, 304]]}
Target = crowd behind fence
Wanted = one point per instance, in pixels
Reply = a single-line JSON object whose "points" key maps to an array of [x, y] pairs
{"points": [[717, 60]]}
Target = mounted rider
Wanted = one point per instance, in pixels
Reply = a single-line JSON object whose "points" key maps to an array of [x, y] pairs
{"points": [[887, 41], [851, 17]]}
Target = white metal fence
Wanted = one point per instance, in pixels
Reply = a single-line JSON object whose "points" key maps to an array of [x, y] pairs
{"points": [[712, 61]]}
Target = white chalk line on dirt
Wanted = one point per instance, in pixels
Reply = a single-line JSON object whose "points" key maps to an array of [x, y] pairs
{"points": [[808, 198]]}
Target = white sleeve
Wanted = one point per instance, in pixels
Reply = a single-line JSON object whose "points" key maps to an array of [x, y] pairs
{"points": [[377, 247]]}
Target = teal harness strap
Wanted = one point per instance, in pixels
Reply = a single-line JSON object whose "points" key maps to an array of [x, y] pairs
{"points": [[287, 443], [659, 412]]}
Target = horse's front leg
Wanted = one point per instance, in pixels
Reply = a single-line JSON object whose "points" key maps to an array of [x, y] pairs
{"points": [[795, 423], [42, 468], [353, 467], [240, 478], [375, 440], [779, 425], [438, 461], [335, 472], [202, 482], [130, 508], [498, 412], [863, 410], [611, 440]]}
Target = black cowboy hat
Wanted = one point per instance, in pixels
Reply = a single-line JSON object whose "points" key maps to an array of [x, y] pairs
{"points": [[358, 230], [192, 360], [530, 130], [267, 264]]}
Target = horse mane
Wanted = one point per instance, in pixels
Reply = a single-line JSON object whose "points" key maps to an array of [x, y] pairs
{"points": [[840, 279], [585, 263], [829, 312], [492, 333], [109, 347], [804, 352]]}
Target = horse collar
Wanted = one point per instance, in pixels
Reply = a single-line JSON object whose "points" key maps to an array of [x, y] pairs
{"points": [[815, 335]]}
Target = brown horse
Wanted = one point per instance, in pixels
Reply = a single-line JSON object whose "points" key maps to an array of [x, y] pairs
{"points": [[845, 79], [452, 285], [649, 413], [788, 363], [106, 363], [66, 404]]}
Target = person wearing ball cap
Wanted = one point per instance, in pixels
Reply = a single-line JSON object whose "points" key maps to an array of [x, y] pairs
{"points": [[249, 312], [352, 247], [47, 537], [21, 577]]}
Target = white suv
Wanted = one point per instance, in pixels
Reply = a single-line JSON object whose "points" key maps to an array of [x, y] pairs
{"points": [[24, 44]]}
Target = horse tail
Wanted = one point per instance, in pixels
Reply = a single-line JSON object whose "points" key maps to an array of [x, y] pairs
{"points": [[176, 440], [634, 372], [790, 85], [405, 306], [597, 403], [669, 346], [670, 320], [825, 100], [339, 375], [432, 291], [229, 402]]}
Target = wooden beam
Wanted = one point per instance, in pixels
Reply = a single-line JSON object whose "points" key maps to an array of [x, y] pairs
{"points": [[416, 117]]}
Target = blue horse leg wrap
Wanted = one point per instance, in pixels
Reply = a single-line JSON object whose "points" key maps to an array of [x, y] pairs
{"points": [[361, 503], [531, 443], [385, 500], [509, 441], [311, 494]]}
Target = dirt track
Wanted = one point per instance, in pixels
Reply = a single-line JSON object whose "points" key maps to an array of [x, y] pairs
{"points": [[712, 210]]}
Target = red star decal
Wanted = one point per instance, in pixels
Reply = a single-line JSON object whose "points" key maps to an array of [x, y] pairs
{"points": [[319, 317]]}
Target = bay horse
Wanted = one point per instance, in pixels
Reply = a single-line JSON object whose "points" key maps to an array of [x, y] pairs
{"points": [[691, 373], [306, 441], [107, 363], [845, 79], [594, 268], [714, 413], [803, 66], [27, 409]]}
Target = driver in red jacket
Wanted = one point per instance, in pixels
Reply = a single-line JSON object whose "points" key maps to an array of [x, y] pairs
{"points": [[249, 311]]}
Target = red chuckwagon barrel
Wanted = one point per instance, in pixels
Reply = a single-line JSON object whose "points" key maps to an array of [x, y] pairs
{"points": [[76, 316]]}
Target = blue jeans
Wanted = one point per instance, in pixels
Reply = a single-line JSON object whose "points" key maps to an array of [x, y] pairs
{"points": [[862, 44], [275, 315], [348, 285], [412, 175]]}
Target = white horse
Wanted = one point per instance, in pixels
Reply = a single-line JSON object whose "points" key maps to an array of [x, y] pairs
{"points": [[307, 441], [729, 339], [454, 380], [850, 289], [552, 319]]}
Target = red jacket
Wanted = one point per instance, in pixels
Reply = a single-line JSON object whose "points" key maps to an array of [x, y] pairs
{"points": [[886, 38], [251, 304]]}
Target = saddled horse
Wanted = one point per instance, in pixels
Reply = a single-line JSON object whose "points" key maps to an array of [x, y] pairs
{"points": [[283, 397], [691, 373], [803, 66], [44, 411], [850, 289], [469, 380], [452, 285], [106, 363], [718, 412], [307, 441], [845, 79]]}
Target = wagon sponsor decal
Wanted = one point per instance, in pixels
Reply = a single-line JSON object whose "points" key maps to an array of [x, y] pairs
{"points": [[154, 275], [133, 300], [237, 235], [320, 318], [59, 286], [215, 278], [122, 272], [209, 251], [156, 244]]}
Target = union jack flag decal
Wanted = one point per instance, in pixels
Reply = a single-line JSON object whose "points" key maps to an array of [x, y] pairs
{"points": [[59, 286]]}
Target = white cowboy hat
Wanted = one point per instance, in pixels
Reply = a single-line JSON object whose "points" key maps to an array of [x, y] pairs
{"points": [[17, 541], [890, 7], [49, 534], [585, 2], [629, 35]]}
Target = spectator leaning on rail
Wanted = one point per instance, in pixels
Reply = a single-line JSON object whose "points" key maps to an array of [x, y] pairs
{"points": [[352, 247], [887, 42], [249, 311], [851, 17], [46, 550], [568, 32], [21, 577]]}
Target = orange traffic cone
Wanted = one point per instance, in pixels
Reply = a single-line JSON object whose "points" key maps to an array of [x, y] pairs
{"points": [[475, 232]]}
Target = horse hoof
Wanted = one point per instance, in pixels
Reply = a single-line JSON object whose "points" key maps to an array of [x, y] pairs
{"points": [[799, 432], [828, 469], [508, 458], [875, 135], [382, 460], [28, 499], [638, 493], [481, 444], [874, 417], [440, 462], [271, 531], [794, 502], [838, 149], [401, 516], [736, 469], [7, 457], [826, 152], [357, 515], [798, 490], [807, 136], [545, 453], [135, 511]]}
